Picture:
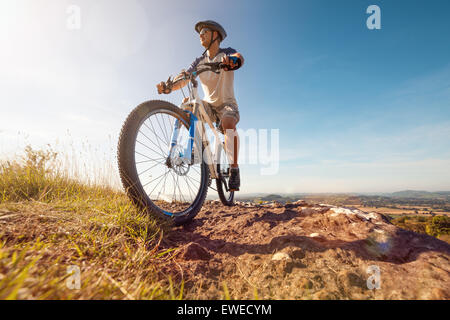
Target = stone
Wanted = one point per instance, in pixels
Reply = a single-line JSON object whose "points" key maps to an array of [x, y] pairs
{"points": [[280, 256], [305, 283], [194, 251]]}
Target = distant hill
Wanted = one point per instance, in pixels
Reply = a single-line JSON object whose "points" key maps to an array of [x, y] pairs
{"points": [[272, 197], [296, 196], [268, 197], [420, 194]]}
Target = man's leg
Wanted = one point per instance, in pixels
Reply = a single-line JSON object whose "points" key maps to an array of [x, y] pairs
{"points": [[231, 139], [232, 149]]}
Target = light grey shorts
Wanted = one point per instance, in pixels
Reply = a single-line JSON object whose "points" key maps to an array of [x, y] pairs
{"points": [[217, 113]]}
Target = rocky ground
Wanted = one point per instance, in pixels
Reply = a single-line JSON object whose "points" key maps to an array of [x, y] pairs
{"points": [[306, 251]]}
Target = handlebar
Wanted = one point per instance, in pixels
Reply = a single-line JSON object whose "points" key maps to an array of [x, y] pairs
{"points": [[213, 66], [210, 66]]}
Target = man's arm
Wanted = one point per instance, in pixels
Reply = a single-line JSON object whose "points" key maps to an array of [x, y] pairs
{"points": [[161, 86]]}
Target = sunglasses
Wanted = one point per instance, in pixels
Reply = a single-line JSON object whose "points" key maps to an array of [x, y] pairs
{"points": [[204, 30]]}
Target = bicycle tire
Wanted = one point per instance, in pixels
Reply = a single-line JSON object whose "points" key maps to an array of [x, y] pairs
{"points": [[127, 164]]}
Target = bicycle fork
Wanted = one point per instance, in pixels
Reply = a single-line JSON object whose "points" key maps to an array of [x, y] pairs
{"points": [[185, 156], [179, 156]]}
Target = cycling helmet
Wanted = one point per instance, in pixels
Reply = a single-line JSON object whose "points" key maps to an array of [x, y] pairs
{"points": [[211, 25]]}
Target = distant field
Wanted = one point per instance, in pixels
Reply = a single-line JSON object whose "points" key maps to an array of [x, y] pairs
{"points": [[403, 211]]}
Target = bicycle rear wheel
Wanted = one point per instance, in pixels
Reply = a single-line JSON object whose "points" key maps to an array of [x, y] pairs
{"points": [[163, 184]]}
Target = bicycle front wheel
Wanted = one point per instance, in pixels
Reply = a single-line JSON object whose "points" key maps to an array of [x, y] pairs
{"points": [[163, 183]]}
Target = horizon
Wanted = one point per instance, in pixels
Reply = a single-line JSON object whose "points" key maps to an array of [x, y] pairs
{"points": [[357, 109], [294, 193]]}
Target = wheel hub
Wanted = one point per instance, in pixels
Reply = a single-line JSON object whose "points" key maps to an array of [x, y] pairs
{"points": [[177, 162]]}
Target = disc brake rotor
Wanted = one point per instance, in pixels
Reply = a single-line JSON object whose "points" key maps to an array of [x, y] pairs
{"points": [[177, 162]]}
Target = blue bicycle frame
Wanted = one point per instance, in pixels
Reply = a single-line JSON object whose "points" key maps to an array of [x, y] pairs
{"points": [[187, 155]]}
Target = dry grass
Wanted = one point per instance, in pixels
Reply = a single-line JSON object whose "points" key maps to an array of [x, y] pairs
{"points": [[49, 222]]}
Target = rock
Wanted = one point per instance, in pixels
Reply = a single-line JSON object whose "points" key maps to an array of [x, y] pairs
{"points": [[281, 268], [305, 283], [440, 294], [354, 212], [194, 251], [308, 211], [293, 253], [276, 204], [297, 254], [280, 256], [350, 279], [324, 295]]}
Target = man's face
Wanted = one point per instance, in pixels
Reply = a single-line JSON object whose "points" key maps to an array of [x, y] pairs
{"points": [[205, 36]]}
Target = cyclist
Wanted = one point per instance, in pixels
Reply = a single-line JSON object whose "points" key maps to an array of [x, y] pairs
{"points": [[219, 99]]}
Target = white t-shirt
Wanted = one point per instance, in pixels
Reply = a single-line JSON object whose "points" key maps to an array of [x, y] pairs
{"points": [[218, 88]]}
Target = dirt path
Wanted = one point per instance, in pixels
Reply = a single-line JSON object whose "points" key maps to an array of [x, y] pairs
{"points": [[307, 251]]}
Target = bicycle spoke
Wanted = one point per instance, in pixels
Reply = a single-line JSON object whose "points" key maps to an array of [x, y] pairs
{"points": [[159, 146], [171, 125], [151, 181], [174, 185], [190, 189], [150, 168], [144, 155], [164, 133], [154, 160], [193, 179], [195, 169], [157, 138], [181, 194], [164, 186], [157, 183], [149, 148]]}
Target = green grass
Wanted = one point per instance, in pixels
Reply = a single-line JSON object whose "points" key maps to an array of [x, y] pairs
{"points": [[49, 221]]}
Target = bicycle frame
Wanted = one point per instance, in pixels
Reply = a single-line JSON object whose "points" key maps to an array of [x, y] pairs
{"points": [[195, 126]]}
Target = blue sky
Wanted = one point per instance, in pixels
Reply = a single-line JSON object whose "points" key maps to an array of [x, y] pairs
{"points": [[357, 110]]}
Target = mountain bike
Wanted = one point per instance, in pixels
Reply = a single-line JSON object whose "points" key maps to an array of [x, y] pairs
{"points": [[166, 160]]}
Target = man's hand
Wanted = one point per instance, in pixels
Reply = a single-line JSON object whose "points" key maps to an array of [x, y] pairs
{"points": [[233, 61], [162, 88], [168, 86]]}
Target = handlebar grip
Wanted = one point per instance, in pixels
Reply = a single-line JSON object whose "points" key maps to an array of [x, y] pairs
{"points": [[235, 59]]}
